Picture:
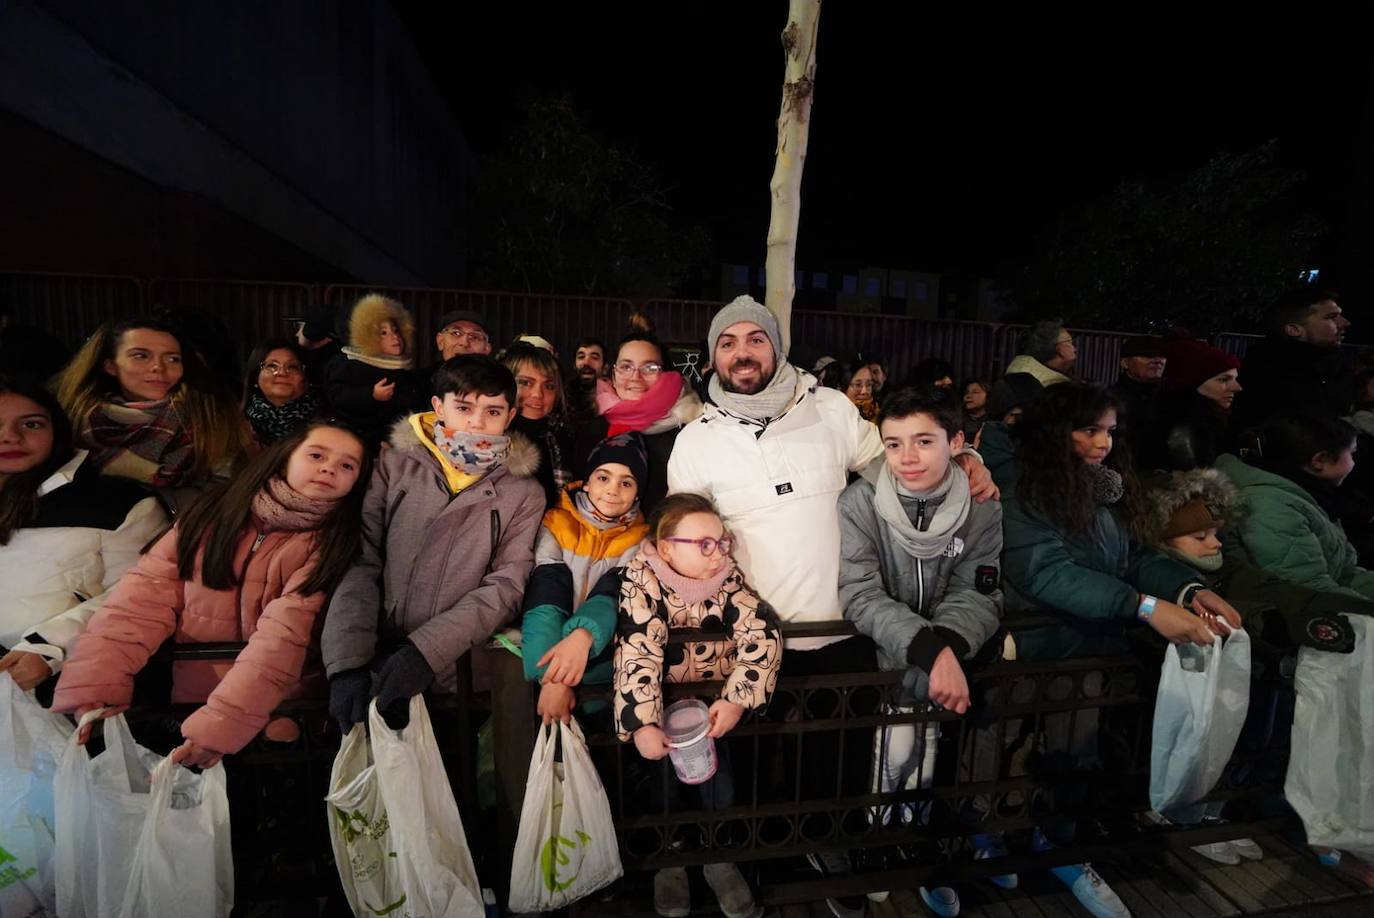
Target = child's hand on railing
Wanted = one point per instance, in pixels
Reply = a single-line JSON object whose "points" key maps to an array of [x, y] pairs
{"points": [[556, 702], [567, 660], [948, 684], [651, 742], [725, 717]]}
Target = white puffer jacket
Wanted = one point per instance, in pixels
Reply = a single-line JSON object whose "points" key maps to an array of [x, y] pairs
{"points": [[55, 574]]}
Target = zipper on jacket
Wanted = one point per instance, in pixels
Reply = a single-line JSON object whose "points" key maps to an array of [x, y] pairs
{"points": [[243, 572], [920, 586], [495, 529], [921, 521]]}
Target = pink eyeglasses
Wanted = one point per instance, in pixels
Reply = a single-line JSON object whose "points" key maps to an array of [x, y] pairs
{"points": [[708, 545]]}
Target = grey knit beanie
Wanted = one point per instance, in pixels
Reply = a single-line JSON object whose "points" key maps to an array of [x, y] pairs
{"points": [[747, 309]]}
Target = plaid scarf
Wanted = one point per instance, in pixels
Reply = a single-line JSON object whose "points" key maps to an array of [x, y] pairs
{"points": [[271, 423], [145, 441]]}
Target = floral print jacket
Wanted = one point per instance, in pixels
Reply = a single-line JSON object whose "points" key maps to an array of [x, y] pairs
{"points": [[747, 656]]}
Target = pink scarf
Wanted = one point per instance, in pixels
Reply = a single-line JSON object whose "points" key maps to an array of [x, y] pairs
{"points": [[623, 415], [689, 589]]}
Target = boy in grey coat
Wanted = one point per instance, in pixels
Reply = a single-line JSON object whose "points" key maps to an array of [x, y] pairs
{"points": [[920, 574], [449, 524]]}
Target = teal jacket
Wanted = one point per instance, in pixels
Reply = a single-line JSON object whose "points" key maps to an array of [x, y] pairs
{"points": [[1093, 581], [576, 584], [1286, 532]]}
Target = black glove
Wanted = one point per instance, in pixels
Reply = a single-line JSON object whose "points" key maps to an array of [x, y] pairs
{"points": [[404, 675], [349, 692]]}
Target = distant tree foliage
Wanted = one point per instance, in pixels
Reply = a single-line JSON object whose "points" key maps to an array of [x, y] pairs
{"points": [[562, 210], [1209, 250]]}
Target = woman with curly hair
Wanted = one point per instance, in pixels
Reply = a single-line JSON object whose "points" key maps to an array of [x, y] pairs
{"points": [[1075, 524]]}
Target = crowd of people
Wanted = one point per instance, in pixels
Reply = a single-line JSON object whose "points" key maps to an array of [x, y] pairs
{"points": [[361, 523]]}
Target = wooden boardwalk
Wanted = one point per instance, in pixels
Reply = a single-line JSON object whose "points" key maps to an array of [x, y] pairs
{"points": [[1289, 881]]}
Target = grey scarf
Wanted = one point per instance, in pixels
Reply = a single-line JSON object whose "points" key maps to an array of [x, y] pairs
{"points": [[764, 406], [950, 513]]}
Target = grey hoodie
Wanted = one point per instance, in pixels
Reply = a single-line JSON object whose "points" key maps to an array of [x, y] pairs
{"points": [[914, 607]]}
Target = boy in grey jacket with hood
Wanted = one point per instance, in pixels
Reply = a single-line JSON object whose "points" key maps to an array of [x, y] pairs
{"points": [[920, 574]]}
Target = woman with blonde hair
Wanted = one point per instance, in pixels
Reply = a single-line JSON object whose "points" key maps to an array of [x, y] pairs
{"points": [[146, 408]]}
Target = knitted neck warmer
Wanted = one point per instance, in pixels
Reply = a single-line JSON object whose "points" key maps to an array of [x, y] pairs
{"points": [[280, 507], [475, 454], [688, 589], [765, 405], [271, 422], [1107, 485]]}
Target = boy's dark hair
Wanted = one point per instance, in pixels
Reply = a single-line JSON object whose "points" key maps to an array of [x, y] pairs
{"points": [[1285, 445], [928, 400], [474, 374], [1295, 306]]}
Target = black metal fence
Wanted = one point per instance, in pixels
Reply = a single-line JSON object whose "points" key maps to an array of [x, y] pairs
{"points": [[71, 306], [1061, 745]]}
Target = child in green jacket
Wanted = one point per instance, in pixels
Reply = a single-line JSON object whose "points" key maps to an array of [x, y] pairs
{"points": [[571, 601]]}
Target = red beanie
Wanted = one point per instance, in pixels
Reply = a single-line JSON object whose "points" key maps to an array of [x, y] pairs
{"points": [[1191, 363]]}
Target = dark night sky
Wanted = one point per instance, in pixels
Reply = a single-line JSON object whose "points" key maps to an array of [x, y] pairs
{"points": [[939, 140]]}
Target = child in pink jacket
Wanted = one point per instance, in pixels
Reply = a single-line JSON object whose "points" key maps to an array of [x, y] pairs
{"points": [[251, 561]]}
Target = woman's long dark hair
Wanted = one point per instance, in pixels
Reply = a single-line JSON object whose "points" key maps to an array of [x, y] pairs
{"points": [[217, 520], [1053, 482], [255, 360], [19, 493]]}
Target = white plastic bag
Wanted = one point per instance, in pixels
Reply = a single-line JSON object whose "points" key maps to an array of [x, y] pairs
{"points": [[31, 744], [566, 848], [395, 829], [1330, 779], [138, 835], [1199, 713]]}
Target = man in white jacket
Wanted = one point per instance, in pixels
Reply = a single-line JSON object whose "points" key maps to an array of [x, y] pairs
{"points": [[774, 450]]}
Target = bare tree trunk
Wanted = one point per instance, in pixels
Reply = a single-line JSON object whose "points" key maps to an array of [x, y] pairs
{"points": [[799, 45]]}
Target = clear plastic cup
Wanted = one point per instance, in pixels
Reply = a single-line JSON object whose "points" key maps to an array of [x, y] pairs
{"points": [[692, 752]]}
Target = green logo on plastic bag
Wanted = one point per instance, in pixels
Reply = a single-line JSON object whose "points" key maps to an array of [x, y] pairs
{"points": [[554, 855], [11, 875]]}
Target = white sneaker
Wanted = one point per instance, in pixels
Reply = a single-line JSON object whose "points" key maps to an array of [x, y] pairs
{"points": [[1220, 852], [672, 896], [1092, 892]]}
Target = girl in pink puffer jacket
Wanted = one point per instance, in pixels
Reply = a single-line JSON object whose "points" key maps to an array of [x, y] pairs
{"points": [[250, 562]]}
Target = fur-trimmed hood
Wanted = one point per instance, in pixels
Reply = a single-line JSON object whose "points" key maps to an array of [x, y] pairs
{"points": [[365, 323], [523, 460], [1168, 493]]}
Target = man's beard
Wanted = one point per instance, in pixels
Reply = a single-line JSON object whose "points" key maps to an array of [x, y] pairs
{"points": [[586, 373], [753, 388]]}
